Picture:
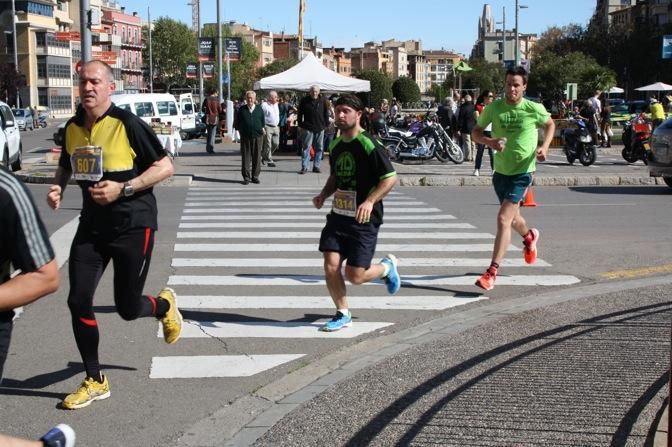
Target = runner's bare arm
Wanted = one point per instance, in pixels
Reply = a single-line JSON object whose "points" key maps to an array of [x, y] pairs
{"points": [[25, 288], [56, 190]]}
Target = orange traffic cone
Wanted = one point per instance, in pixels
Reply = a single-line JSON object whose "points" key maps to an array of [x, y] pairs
{"points": [[528, 198]]}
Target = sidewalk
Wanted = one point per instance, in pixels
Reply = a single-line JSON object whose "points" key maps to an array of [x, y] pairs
{"points": [[193, 163]]}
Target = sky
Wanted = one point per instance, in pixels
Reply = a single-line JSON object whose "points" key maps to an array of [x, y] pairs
{"points": [[440, 24]]}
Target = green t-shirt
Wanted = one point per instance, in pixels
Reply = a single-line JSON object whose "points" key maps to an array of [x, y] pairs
{"points": [[518, 124]]}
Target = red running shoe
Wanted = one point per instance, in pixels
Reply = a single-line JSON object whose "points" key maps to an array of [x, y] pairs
{"points": [[530, 249], [487, 281]]}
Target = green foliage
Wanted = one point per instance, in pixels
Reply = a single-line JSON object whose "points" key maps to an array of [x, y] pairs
{"points": [[440, 92], [243, 72], [381, 87], [275, 67], [484, 76], [623, 55], [551, 72], [173, 47], [406, 90]]}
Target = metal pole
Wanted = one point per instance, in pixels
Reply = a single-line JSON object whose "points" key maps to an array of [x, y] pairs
{"points": [[503, 34], [219, 52], [16, 54], [85, 30], [151, 66], [517, 48], [200, 64], [228, 77]]}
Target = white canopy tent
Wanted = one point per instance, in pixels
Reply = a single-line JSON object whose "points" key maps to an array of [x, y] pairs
{"points": [[615, 90], [311, 72], [656, 87]]}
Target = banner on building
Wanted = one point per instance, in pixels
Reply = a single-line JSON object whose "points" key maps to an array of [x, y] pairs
{"points": [[232, 48], [206, 49], [208, 71], [192, 70], [667, 46]]}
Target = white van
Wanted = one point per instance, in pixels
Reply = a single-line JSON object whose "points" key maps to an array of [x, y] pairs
{"points": [[179, 111]]}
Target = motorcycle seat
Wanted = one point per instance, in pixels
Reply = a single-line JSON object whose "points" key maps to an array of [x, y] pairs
{"points": [[400, 133]]}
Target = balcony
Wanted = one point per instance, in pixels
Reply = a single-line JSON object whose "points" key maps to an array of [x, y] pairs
{"points": [[135, 42]]}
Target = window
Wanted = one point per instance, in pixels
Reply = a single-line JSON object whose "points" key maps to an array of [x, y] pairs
{"points": [[40, 39], [127, 107], [41, 68], [35, 8], [166, 108], [143, 109]]}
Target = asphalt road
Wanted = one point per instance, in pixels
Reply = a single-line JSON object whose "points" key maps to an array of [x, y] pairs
{"points": [[596, 237]]}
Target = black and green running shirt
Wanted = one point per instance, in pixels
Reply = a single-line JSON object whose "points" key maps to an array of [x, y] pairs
{"points": [[129, 147], [359, 165]]}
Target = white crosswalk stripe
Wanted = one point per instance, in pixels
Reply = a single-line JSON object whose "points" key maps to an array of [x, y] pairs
{"points": [[224, 270]]}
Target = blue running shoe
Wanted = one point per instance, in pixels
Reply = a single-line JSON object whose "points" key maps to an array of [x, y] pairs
{"points": [[338, 322], [392, 280]]}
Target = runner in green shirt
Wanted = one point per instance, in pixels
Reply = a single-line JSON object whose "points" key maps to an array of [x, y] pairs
{"points": [[514, 122]]}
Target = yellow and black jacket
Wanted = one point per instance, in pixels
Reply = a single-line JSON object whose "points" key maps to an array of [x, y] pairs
{"points": [[129, 148]]}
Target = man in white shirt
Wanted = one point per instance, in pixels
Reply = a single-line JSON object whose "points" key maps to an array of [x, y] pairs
{"points": [[272, 135]]}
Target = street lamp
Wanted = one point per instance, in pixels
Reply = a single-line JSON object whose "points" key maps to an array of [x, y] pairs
{"points": [[517, 49]]}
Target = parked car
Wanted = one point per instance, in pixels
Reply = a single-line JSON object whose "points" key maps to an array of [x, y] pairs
{"points": [[620, 114], [10, 139], [660, 156], [24, 119], [59, 135], [639, 106]]}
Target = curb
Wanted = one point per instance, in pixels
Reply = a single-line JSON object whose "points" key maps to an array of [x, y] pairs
{"points": [[252, 415], [606, 180]]}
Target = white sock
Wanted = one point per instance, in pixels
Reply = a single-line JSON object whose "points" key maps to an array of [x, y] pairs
{"points": [[386, 271], [344, 311]]}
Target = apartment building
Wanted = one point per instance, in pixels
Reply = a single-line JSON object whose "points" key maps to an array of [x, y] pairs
{"points": [[286, 46], [441, 63], [261, 40], [343, 62], [372, 57], [416, 66]]}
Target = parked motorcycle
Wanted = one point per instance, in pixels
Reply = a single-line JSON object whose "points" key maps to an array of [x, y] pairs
{"points": [[41, 120], [636, 140], [424, 140], [578, 143]]}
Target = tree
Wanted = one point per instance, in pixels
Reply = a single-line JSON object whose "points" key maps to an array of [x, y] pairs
{"points": [[552, 72], [406, 89], [484, 76], [381, 87], [275, 67], [243, 72], [173, 47]]}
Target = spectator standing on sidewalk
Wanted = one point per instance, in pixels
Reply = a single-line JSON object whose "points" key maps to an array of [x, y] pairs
{"points": [[250, 124], [313, 118], [484, 100], [24, 246], [271, 111], [212, 109], [514, 122], [283, 122], [361, 176], [466, 120], [330, 131], [116, 159], [657, 112]]}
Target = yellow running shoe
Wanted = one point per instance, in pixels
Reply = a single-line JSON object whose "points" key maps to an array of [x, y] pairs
{"points": [[172, 321], [87, 392]]}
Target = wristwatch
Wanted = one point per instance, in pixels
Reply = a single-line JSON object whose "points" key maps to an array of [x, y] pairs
{"points": [[128, 190]]}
